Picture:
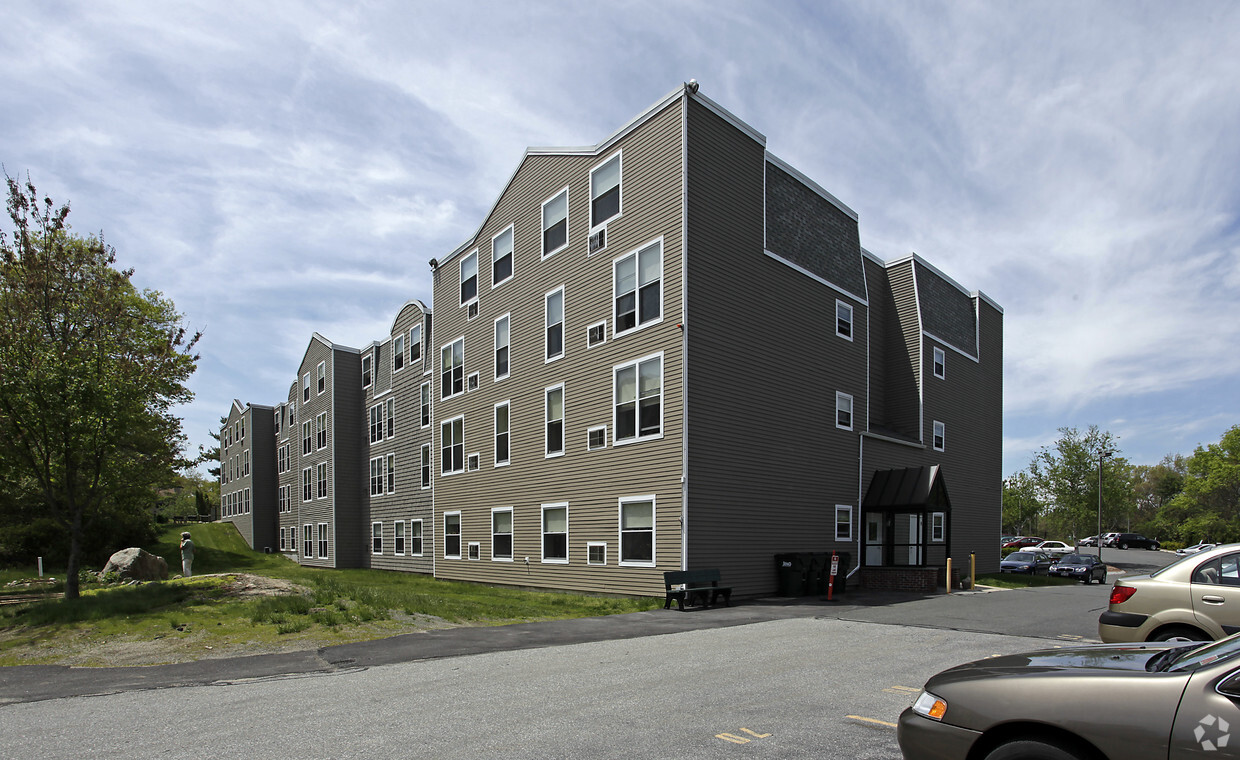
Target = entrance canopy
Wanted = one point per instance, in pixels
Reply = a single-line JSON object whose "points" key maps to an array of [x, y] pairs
{"points": [[914, 489], [907, 518]]}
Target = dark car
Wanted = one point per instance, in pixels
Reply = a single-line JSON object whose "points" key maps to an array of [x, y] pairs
{"points": [[1083, 567], [1034, 563], [1131, 540], [1128, 702]]}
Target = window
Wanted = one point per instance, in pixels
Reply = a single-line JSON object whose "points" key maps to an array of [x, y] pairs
{"points": [[320, 429], [376, 538], [307, 443], [940, 433], [398, 353], [279, 418], [639, 400], [307, 485], [415, 538], [366, 370], [305, 388], [555, 223], [501, 346], [940, 363], [452, 535], [322, 472], [282, 503], [501, 257], [246, 501], [596, 438], [638, 279], [282, 459], [475, 551], [605, 191], [452, 455], [501, 534], [555, 533], [843, 522], [452, 369], [554, 309], [398, 546], [227, 436], [475, 461], [322, 376], [426, 465], [637, 531], [501, 433], [938, 523], [469, 277], [376, 423], [323, 540], [391, 418], [426, 404], [555, 420], [307, 540], [391, 473], [843, 320], [415, 344], [376, 476], [283, 543], [843, 411], [472, 383], [241, 428], [596, 334], [246, 470]]}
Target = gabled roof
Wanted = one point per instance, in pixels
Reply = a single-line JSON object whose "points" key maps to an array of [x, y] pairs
{"points": [[913, 488]]}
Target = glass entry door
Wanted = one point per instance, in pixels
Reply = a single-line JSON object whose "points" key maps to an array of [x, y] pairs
{"points": [[874, 539]]}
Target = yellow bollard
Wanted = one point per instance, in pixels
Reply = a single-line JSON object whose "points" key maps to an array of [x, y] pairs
{"points": [[972, 571], [949, 575]]}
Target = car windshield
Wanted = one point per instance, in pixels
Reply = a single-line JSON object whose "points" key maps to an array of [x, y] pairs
{"points": [[1073, 559], [1194, 557], [1021, 556], [1192, 657]]}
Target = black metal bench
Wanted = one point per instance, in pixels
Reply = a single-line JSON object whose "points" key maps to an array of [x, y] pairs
{"points": [[690, 586]]}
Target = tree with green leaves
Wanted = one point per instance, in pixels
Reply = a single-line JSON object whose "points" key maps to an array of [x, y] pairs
{"points": [[1021, 505], [91, 369], [1208, 507], [1066, 475]]}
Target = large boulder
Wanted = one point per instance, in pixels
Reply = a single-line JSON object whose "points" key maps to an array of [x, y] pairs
{"points": [[137, 564]]}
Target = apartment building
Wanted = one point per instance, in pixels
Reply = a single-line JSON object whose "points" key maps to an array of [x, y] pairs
{"points": [[666, 350], [247, 473]]}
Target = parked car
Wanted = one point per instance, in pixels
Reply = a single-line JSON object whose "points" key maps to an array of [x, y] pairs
{"points": [[1081, 703], [1083, 567], [1033, 563], [1004, 539], [1127, 540], [1088, 541], [1020, 542], [1053, 548], [1195, 598], [1194, 549]]}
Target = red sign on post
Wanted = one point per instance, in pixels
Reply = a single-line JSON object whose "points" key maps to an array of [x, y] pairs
{"points": [[835, 568]]}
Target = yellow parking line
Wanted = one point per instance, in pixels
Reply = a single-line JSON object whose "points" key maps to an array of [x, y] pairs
{"points": [[871, 720]]}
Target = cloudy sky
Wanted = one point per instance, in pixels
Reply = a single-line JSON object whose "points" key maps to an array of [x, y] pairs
{"points": [[280, 168]]}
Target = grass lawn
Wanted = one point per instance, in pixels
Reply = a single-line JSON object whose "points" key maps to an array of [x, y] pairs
{"points": [[211, 615]]}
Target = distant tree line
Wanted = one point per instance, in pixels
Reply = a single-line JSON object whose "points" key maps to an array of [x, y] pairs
{"points": [[1183, 499]]}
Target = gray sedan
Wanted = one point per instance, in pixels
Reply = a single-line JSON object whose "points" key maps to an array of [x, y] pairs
{"points": [[1130, 702]]}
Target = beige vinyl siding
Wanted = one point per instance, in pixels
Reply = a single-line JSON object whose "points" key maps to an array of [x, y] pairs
{"points": [[316, 510], [290, 435], [766, 463], [592, 482]]}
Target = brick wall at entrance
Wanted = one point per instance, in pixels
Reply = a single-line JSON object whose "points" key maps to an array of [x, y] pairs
{"points": [[920, 579]]}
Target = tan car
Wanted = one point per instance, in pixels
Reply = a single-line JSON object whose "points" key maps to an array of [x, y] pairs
{"points": [[1195, 598]]}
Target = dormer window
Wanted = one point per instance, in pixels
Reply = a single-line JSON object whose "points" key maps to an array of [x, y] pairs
{"points": [[605, 191]]}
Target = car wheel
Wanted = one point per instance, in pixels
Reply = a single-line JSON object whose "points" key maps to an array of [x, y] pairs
{"points": [[1027, 749], [1155, 547], [1124, 546], [1179, 633]]}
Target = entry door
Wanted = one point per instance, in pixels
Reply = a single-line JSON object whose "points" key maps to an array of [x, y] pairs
{"points": [[874, 539], [914, 540]]}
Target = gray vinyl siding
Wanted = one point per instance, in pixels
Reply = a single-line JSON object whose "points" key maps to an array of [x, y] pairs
{"points": [[591, 482], [409, 501], [260, 429], [348, 470], [316, 510], [237, 482], [766, 463], [880, 312], [903, 355], [290, 436]]}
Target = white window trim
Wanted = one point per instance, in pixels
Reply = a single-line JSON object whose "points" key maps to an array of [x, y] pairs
{"points": [[307, 475], [639, 325], [562, 323], [591, 544], [429, 417], [459, 536], [374, 553], [398, 528], [370, 357], [322, 370], [389, 415], [938, 366], [941, 518], [389, 473], [464, 384], [547, 454], [415, 342], [464, 463], [596, 226], [430, 465], [938, 430], [370, 481], [307, 537], [461, 277], [852, 320], [320, 540], [542, 533], [840, 396], [512, 535], [513, 256], [421, 538], [326, 437], [602, 323], [305, 388], [324, 479], [591, 430], [473, 551], [615, 440], [654, 528], [495, 432], [495, 346], [843, 508], [398, 339], [542, 229]]}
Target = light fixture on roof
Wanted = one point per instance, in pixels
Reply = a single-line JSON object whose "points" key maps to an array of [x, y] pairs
{"points": [[693, 86], [434, 263]]}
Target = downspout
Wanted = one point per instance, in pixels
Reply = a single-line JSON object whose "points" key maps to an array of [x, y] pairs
{"points": [[860, 469], [684, 331]]}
